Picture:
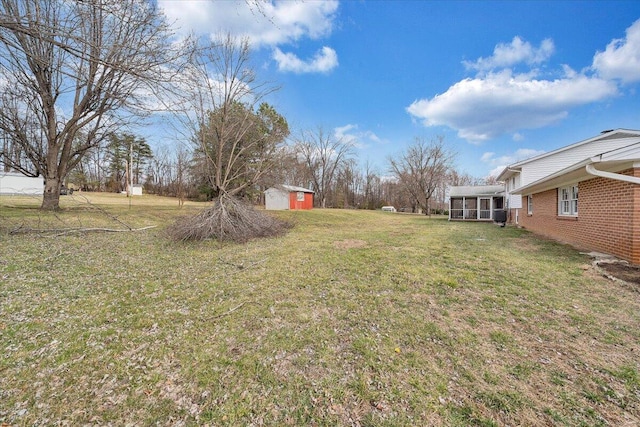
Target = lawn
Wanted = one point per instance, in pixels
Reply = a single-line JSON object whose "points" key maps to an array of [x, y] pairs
{"points": [[352, 318]]}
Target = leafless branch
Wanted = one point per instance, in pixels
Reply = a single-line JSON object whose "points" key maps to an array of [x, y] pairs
{"points": [[232, 310], [98, 59], [55, 232]]}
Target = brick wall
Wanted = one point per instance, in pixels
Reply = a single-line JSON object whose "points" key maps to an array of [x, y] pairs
{"points": [[608, 217]]}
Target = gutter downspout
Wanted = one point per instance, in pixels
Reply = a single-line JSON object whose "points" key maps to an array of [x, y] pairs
{"points": [[591, 170]]}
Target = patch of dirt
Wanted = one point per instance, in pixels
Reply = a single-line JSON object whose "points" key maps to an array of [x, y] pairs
{"points": [[350, 244], [526, 243], [622, 271]]}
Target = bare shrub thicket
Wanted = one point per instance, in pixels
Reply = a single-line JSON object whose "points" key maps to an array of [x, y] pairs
{"points": [[228, 219]]}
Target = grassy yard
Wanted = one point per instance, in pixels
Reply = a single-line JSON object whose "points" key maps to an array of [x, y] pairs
{"points": [[353, 318]]}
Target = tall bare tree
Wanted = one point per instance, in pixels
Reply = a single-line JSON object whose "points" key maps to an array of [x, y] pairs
{"points": [[235, 134], [373, 183], [236, 139], [323, 155], [422, 168], [74, 68]]}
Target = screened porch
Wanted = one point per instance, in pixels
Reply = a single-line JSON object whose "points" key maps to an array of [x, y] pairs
{"points": [[476, 203]]}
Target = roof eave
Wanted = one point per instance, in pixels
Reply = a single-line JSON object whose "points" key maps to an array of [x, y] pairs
{"points": [[508, 172], [574, 173], [576, 144]]}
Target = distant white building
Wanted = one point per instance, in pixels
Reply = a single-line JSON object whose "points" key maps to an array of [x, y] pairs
{"points": [[15, 184], [136, 190]]}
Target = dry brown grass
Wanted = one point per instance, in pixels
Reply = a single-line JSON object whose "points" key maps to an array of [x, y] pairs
{"points": [[352, 318]]}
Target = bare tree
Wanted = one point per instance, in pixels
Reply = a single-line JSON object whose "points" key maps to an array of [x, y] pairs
{"points": [[421, 169], [73, 66], [289, 169], [347, 191], [90, 172], [236, 138], [180, 182], [460, 178], [323, 156], [235, 135], [490, 180]]}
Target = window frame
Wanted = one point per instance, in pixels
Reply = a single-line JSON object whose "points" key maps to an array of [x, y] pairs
{"points": [[568, 197], [530, 204]]}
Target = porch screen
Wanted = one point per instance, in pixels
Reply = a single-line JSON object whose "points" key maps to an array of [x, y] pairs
{"points": [[456, 209], [470, 209], [485, 208]]}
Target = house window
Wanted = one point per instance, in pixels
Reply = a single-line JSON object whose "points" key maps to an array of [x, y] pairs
{"points": [[568, 200], [530, 205], [300, 196]]}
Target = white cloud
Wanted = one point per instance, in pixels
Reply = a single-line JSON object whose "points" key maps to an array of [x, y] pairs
{"points": [[323, 61], [499, 100], [516, 52], [341, 130], [496, 171], [621, 58], [485, 107], [499, 163], [264, 22], [487, 156], [350, 134]]}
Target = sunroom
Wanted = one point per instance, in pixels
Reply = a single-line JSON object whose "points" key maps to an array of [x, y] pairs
{"points": [[475, 203]]}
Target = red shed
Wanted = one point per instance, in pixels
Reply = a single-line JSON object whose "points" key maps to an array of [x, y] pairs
{"points": [[285, 197]]}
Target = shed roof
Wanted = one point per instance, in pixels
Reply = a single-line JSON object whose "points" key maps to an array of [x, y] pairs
{"points": [[476, 190], [293, 188]]}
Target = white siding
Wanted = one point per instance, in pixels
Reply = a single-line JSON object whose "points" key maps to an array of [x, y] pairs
{"points": [[13, 183], [276, 199], [546, 165], [515, 201]]}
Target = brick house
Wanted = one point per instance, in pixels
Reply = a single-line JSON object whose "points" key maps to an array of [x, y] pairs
{"points": [[586, 194]]}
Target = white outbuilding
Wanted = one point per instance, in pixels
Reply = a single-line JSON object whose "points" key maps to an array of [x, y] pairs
{"points": [[288, 197], [15, 184]]}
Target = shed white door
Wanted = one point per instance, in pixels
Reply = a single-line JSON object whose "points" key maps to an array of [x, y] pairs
{"points": [[276, 199]]}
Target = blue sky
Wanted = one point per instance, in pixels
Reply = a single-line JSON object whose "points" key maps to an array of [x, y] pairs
{"points": [[500, 81]]}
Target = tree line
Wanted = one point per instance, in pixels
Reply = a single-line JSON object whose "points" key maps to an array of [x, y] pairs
{"points": [[78, 74], [314, 159]]}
